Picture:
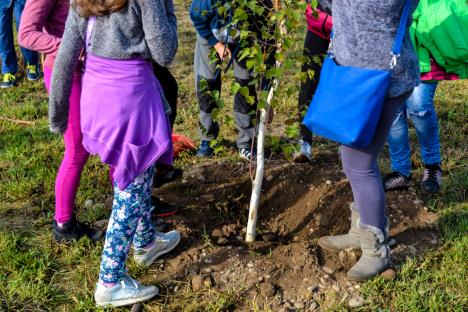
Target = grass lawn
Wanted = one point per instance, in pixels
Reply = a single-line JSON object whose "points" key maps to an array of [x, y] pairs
{"points": [[36, 274]]}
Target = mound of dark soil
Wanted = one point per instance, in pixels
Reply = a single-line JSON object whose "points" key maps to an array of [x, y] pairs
{"points": [[284, 269]]}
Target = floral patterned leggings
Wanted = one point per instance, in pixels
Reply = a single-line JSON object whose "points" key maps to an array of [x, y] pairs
{"points": [[130, 221]]}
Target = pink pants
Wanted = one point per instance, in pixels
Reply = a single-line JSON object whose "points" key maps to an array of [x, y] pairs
{"points": [[75, 156]]}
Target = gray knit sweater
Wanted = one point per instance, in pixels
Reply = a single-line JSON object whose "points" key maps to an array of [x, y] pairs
{"points": [[364, 34], [145, 29]]}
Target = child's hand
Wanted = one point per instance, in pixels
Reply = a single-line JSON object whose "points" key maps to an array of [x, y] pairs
{"points": [[222, 50]]}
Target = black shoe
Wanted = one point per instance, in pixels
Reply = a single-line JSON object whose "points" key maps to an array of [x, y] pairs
{"points": [[166, 175], [74, 230], [163, 209], [432, 179], [396, 181]]}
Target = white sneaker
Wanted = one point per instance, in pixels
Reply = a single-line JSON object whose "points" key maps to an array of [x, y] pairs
{"points": [[304, 154], [127, 292], [163, 243]]}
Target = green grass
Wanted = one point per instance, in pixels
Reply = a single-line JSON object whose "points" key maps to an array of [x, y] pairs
{"points": [[38, 275]]}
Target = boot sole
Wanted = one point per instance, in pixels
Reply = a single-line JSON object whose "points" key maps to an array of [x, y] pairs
{"points": [[362, 279], [121, 303], [149, 262]]}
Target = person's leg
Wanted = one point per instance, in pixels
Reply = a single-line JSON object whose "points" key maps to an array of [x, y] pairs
{"points": [[314, 48], [7, 48], [170, 88], [30, 57], [422, 112], [207, 80], [115, 287], [74, 159], [128, 208], [361, 168], [399, 145], [244, 111]]}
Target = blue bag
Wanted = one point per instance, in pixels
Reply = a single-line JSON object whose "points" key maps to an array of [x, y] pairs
{"points": [[348, 102]]}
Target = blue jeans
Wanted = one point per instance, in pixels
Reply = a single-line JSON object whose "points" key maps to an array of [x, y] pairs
{"points": [[8, 8], [420, 108]]}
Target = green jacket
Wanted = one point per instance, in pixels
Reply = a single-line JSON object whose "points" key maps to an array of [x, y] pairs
{"points": [[440, 29]]}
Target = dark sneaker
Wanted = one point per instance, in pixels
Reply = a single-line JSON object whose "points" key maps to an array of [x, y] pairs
{"points": [[166, 175], [162, 208], [248, 154], [33, 72], [205, 149], [432, 179], [160, 225], [9, 81], [396, 181], [74, 230]]}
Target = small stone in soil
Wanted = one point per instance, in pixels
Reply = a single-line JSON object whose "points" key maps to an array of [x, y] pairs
{"points": [[197, 283], [355, 302], [328, 270], [88, 203], [328, 182], [313, 306], [388, 274], [299, 305], [269, 237], [267, 289]]}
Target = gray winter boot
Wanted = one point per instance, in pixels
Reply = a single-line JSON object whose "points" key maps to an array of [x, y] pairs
{"points": [[375, 253], [346, 241]]}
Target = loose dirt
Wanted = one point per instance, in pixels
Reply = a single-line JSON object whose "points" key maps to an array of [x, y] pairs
{"points": [[285, 269]]}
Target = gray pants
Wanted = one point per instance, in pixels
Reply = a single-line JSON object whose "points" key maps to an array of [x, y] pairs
{"points": [[207, 79]]}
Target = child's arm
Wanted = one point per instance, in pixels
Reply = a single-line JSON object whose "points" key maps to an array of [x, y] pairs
{"points": [[160, 29], [62, 77], [202, 12], [33, 19]]}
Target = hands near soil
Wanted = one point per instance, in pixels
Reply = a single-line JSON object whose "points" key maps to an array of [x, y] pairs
{"points": [[222, 50]]}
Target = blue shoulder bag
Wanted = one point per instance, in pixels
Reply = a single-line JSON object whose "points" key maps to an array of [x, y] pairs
{"points": [[347, 105]]}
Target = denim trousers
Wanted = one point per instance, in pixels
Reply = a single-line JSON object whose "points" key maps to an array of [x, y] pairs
{"points": [[420, 109], [8, 9]]}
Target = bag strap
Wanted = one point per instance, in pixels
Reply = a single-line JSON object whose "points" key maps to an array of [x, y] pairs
{"points": [[89, 30], [400, 33]]}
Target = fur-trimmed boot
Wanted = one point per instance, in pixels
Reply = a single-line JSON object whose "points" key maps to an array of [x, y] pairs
{"points": [[375, 253], [346, 241]]}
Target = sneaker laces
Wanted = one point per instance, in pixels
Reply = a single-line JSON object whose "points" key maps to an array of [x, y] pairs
{"points": [[8, 77], [32, 69], [393, 177], [431, 174]]}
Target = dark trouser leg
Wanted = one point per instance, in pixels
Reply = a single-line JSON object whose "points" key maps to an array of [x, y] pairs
{"points": [[170, 88], [314, 48], [206, 81], [7, 48], [244, 112], [361, 168], [30, 57]]}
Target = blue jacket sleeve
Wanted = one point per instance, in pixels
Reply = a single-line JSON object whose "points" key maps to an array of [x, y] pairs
{"points": [[203, 14]]}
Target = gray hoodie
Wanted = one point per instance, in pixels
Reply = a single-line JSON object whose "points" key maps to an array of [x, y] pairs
{"points": [[145, 28], [364, 34]]}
